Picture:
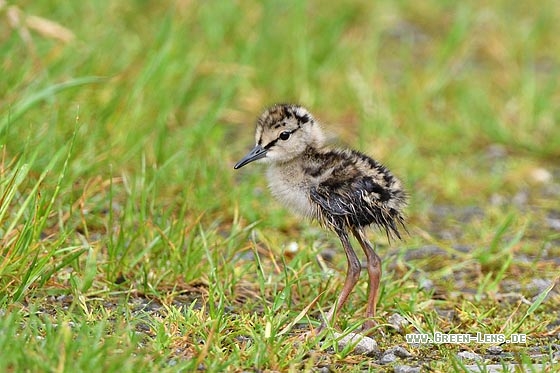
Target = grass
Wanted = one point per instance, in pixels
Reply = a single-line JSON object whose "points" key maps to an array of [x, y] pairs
{"points": [[128, 243]]}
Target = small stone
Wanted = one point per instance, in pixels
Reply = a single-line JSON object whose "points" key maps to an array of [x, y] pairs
{"points": [[291, 250], [328, 255], [363, 345], [324, 370], [388, 358], [463, 248], [536, 350], [512, 286], [423, 252], [293, 247], [521, 198], [445, 314], [541, 284], [406, 369], [495, 350], [243, 339], [398, 322], [537, 286], [426, 284], [496, 151], [553, 223], [399, 352], [469, 355], [497, 200], [541, 175]]}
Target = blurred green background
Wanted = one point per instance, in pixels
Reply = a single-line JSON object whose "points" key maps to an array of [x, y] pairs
{"points": [[120, 123]]}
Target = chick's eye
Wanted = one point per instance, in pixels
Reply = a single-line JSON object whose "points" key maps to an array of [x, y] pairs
{"points": [[285, 135]]}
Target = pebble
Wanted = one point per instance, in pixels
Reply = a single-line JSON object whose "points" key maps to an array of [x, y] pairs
{"points": [[510, 285], [424, 252], [553, 223], [399, 352], [541, 175], [521, 198], [426, 284], [496, 151], [445, 314], [495, 350], [363, 345], [469, 355], [406, 369], [501, 368], [328, 255], [398, 322], [538, 285], [387, 358], [292, 247]]}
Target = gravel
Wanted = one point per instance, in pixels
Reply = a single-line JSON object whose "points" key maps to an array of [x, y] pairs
{"points": [[363, 345]]}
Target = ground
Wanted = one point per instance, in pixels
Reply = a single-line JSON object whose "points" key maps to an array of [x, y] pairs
{"points": [[129, 243]]}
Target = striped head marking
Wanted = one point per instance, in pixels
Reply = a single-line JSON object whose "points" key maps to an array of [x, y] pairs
{"points": [[283, 132]]}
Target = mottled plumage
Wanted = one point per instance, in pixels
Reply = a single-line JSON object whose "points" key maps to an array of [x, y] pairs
{"points": [[343, 189]]}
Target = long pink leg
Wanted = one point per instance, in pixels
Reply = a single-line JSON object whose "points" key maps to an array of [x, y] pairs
{"points": [[374, 273], [352, 276]]}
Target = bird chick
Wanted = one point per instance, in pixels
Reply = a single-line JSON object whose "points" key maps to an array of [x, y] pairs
{"points": [[345, 190]]}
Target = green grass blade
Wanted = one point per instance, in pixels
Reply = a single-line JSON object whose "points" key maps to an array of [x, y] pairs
{"points": [[20, 108]]}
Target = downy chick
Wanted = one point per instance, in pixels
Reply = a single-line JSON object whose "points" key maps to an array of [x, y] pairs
{"points": [[343, 189]]}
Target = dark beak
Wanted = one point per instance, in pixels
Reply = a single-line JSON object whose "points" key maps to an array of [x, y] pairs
{"points": [[257, 152]]}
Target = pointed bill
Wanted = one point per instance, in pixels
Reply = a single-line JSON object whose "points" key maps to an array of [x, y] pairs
{"points": [[257, 152]]}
